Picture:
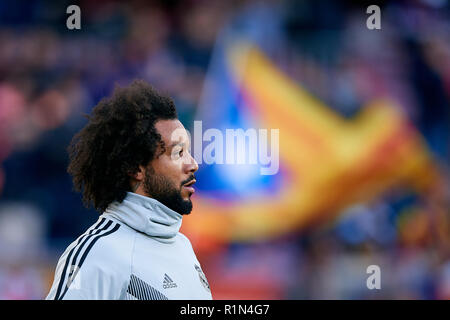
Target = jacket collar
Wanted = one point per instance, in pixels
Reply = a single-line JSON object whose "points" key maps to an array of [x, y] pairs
{"points": [[146, 215]]}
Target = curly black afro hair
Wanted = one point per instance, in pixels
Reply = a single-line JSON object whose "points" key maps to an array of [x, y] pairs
{"points": [[120, 135]]}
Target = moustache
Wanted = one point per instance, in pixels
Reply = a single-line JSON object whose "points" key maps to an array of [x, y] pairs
{"points": [[188, 180]]}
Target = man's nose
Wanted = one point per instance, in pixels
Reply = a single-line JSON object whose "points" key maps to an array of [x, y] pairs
{"points": [[192, 165]]}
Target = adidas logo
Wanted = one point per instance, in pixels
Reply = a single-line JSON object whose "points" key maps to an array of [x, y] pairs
{"points": [[168, 282]]}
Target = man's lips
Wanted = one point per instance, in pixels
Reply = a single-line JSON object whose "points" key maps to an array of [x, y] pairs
{"points": [[189, 187]]}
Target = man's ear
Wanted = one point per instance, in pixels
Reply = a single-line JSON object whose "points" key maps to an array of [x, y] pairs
{"points": [[137, 178], [139, 174]]}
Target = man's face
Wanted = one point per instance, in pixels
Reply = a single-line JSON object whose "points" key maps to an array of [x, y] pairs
{"points": [[170, 175]]}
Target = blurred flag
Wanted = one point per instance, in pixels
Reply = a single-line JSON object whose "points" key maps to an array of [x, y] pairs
{"points": [[327, 162]]}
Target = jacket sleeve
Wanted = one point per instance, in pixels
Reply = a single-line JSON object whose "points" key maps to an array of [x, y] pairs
{"points": [[102, 273], [94, 280]]}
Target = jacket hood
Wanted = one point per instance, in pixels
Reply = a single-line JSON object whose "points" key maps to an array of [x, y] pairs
{"points": [[146, 215]]}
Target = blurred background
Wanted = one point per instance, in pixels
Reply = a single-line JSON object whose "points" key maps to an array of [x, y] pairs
{"points": [[363, 117]]}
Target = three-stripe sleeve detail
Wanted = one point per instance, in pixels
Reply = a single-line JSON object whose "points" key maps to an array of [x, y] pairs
{"points": [[71, 266], [66, 265]]}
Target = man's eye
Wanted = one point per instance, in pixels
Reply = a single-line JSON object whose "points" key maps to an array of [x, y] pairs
{"points": [[178, 154]]}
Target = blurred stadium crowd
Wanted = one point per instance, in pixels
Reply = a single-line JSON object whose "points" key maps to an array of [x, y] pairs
{"points": [[50, 76]]}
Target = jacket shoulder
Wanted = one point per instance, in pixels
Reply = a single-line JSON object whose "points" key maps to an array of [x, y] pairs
{"points": [[97, 265], [185, 240]]}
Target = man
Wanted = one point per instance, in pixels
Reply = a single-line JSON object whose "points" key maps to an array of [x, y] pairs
{"points": [[131, 162]]}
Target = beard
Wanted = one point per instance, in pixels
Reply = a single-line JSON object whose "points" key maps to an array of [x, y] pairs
{"points": [[162, 189]]}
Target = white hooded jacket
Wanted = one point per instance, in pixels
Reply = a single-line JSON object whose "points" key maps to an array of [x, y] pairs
{"points": [[134, 251]]}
